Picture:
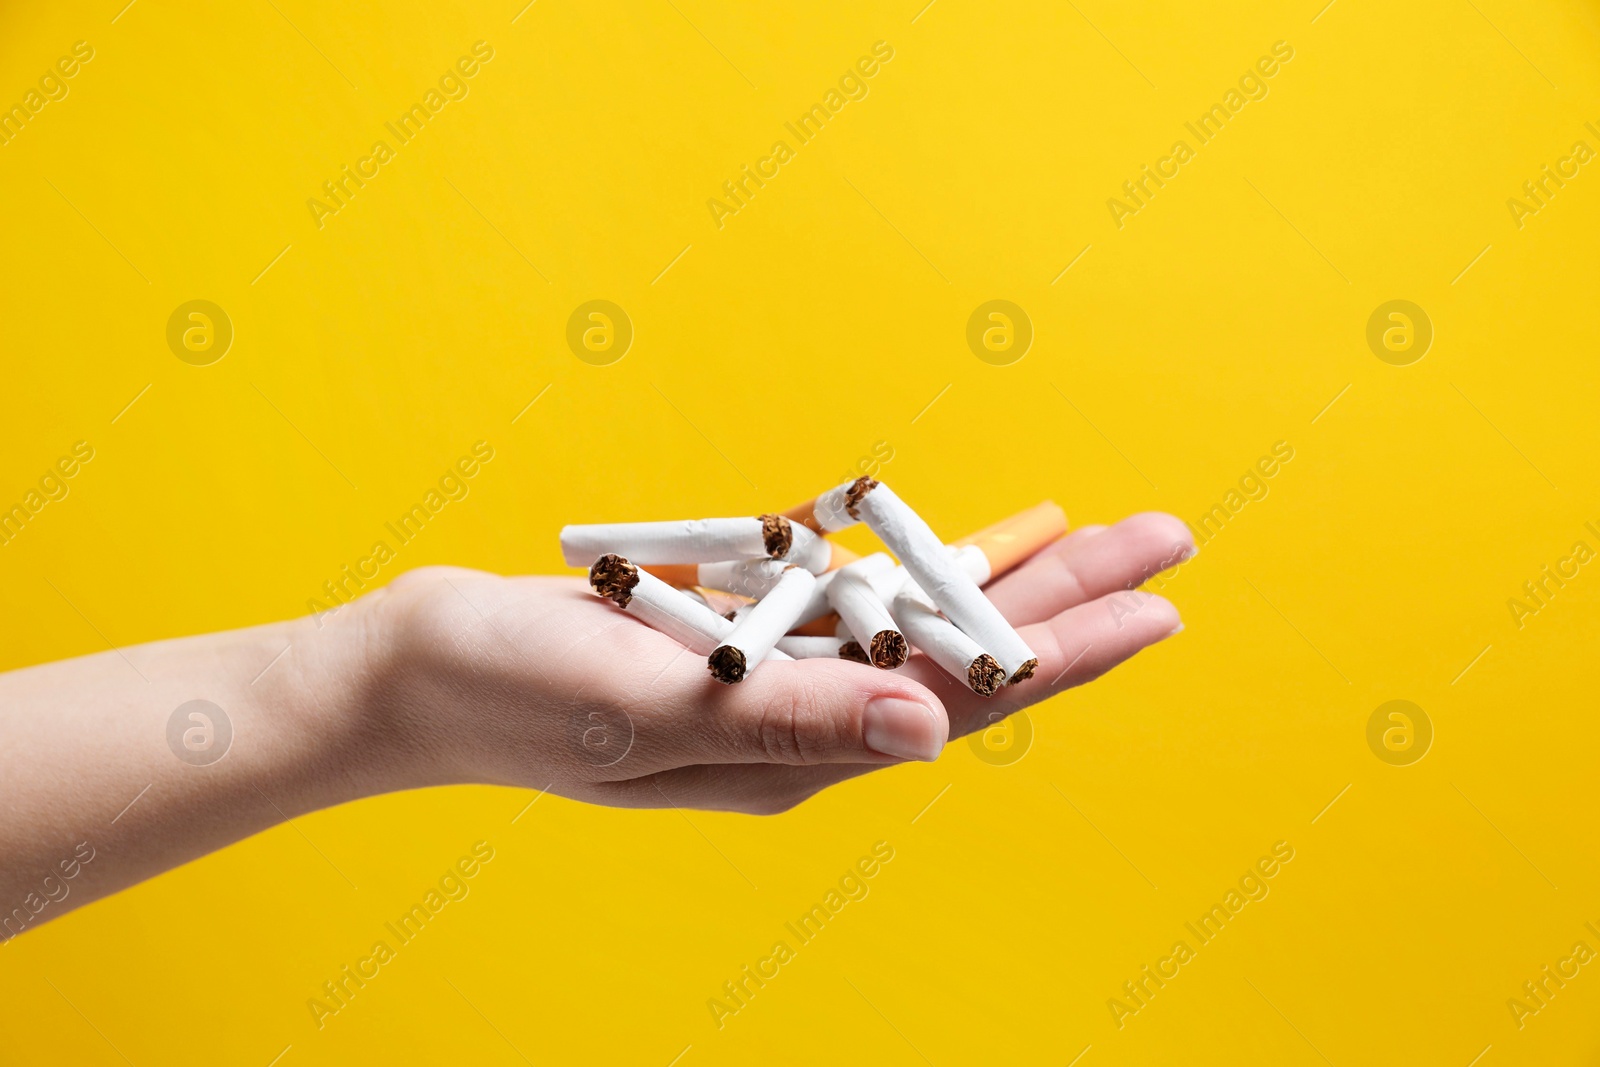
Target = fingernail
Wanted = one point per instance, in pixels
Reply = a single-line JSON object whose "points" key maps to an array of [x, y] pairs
{"points": [[902, 728], [1176, 630]]}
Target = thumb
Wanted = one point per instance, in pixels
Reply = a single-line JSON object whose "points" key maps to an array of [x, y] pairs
{"points": [[824, 711]]}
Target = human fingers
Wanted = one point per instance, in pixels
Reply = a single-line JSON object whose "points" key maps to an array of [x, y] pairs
{"points": [[802, 713], [1083, 566], [1075, 646]]}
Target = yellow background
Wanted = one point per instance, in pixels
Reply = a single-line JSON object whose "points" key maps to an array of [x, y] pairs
{"points": [[821, 319]]}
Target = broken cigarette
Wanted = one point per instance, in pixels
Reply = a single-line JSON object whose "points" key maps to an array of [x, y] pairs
{"points": [[938, 638], [833, 510], [1015, 538], [814, 618], [659, 606], [859, 600], [758, 630], [695, 541], [950, 587]]}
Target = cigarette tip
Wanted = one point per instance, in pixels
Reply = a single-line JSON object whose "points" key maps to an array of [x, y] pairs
{"points": [[889, 650], [613, 577], [777, 534], [984, 676], [857, 491], [726, 664], [1024, 672]]}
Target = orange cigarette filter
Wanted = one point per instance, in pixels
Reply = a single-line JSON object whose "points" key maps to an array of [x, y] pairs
{"points": [[805, 514], [1015, 538], [682, 575]]}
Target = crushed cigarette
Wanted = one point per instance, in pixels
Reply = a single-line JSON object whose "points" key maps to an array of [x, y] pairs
{"points": [[862, 610], [741, 591], [938, 638], [830, 512], [757, 633], [658, 605], [695, 541], [928, 562]]}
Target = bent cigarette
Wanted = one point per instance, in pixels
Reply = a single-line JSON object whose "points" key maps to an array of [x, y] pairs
{"points": [[689, 541], [941, 641], [833, 510], [758, 631], [1013, 539], [659, 606], [950, 587], [860, 605]]}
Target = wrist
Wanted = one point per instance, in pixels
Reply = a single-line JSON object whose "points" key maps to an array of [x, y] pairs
{"points": [[320, 708]]}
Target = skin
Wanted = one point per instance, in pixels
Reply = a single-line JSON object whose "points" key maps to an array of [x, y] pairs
{"points": [[450, 676]]}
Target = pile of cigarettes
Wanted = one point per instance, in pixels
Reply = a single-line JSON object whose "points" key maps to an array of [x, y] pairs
{"points": [[743, 591]]}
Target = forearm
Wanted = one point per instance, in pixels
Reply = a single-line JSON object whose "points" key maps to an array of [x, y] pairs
{"points": [[88, 769]]}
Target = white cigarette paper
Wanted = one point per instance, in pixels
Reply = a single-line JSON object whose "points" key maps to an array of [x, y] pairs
{"points": [[938, 638], [693, 541], [812, 647], [950, 587], [758, 631], [882, 569], [970, 558], [753, 578], [862, 610], [835, 509], [660, 606]]}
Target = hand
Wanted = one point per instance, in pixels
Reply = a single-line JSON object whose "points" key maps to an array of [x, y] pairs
{"points": [[537, 682]]}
